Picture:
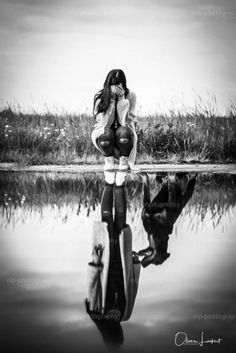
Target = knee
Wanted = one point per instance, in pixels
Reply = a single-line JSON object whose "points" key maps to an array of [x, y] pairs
{"points": [[107, 216], [105, 143], [123, 134], [124, 140], [107, 138]]}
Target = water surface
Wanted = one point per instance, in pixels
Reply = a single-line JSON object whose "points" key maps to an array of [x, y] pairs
{"points": [[45, 244]]}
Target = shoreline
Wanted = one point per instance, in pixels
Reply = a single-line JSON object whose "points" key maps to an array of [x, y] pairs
{"points": [[201, 168]]}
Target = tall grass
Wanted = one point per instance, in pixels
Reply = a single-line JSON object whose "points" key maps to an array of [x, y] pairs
{"points": [[186, 135]]}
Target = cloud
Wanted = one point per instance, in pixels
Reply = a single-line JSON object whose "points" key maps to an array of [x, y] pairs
{"points": [[177, 42], [25, 16]]}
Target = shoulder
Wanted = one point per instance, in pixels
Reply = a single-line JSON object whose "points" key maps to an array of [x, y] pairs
{"points": [[131, 95], [97, 95], [96, 101], [133, 102]]}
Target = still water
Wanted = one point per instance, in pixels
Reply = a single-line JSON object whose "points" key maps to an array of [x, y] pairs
{"points": [[182, 229]]}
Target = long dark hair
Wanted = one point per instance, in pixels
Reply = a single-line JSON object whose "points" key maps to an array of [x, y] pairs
{"points": [[114, 77]]}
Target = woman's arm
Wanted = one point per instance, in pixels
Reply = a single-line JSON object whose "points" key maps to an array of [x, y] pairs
{"points": [[126, 109], [94, 269], [104, 118], [132, 108]]}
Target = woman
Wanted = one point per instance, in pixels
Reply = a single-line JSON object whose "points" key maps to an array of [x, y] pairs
{"points": [[114, 134], [113, 273], [160, 214]]}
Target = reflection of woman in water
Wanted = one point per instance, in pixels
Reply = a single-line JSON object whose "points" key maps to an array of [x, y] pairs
{"points": [[114, 269], [160, 214], [114, 134]]}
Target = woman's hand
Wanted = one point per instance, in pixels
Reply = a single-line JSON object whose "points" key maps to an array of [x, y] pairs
{"points": [[97, 255], [113, 92], [120, 92]]}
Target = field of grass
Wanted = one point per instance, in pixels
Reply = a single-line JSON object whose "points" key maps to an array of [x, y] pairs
{"points": [[190, 135]]}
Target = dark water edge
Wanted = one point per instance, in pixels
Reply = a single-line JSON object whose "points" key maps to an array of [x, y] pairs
{"points": [[33, 191]]}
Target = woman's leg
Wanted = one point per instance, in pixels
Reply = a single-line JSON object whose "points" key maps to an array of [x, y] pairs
{"points": [[115, 283], [106, 207], [106, 142], [107, 216], [120, 208], [124, 140]]}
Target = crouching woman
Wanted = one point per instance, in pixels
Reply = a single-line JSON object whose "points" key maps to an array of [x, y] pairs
{"points": [[114, 133]]}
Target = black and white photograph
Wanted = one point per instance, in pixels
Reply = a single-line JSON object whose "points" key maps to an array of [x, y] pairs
{"points": [[117, 176]]}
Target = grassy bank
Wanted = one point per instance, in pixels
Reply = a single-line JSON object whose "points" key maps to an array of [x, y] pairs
{"points": [[198, 135]]}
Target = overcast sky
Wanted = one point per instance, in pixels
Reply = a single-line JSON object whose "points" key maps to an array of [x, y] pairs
{"points": [[58, 52]]}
